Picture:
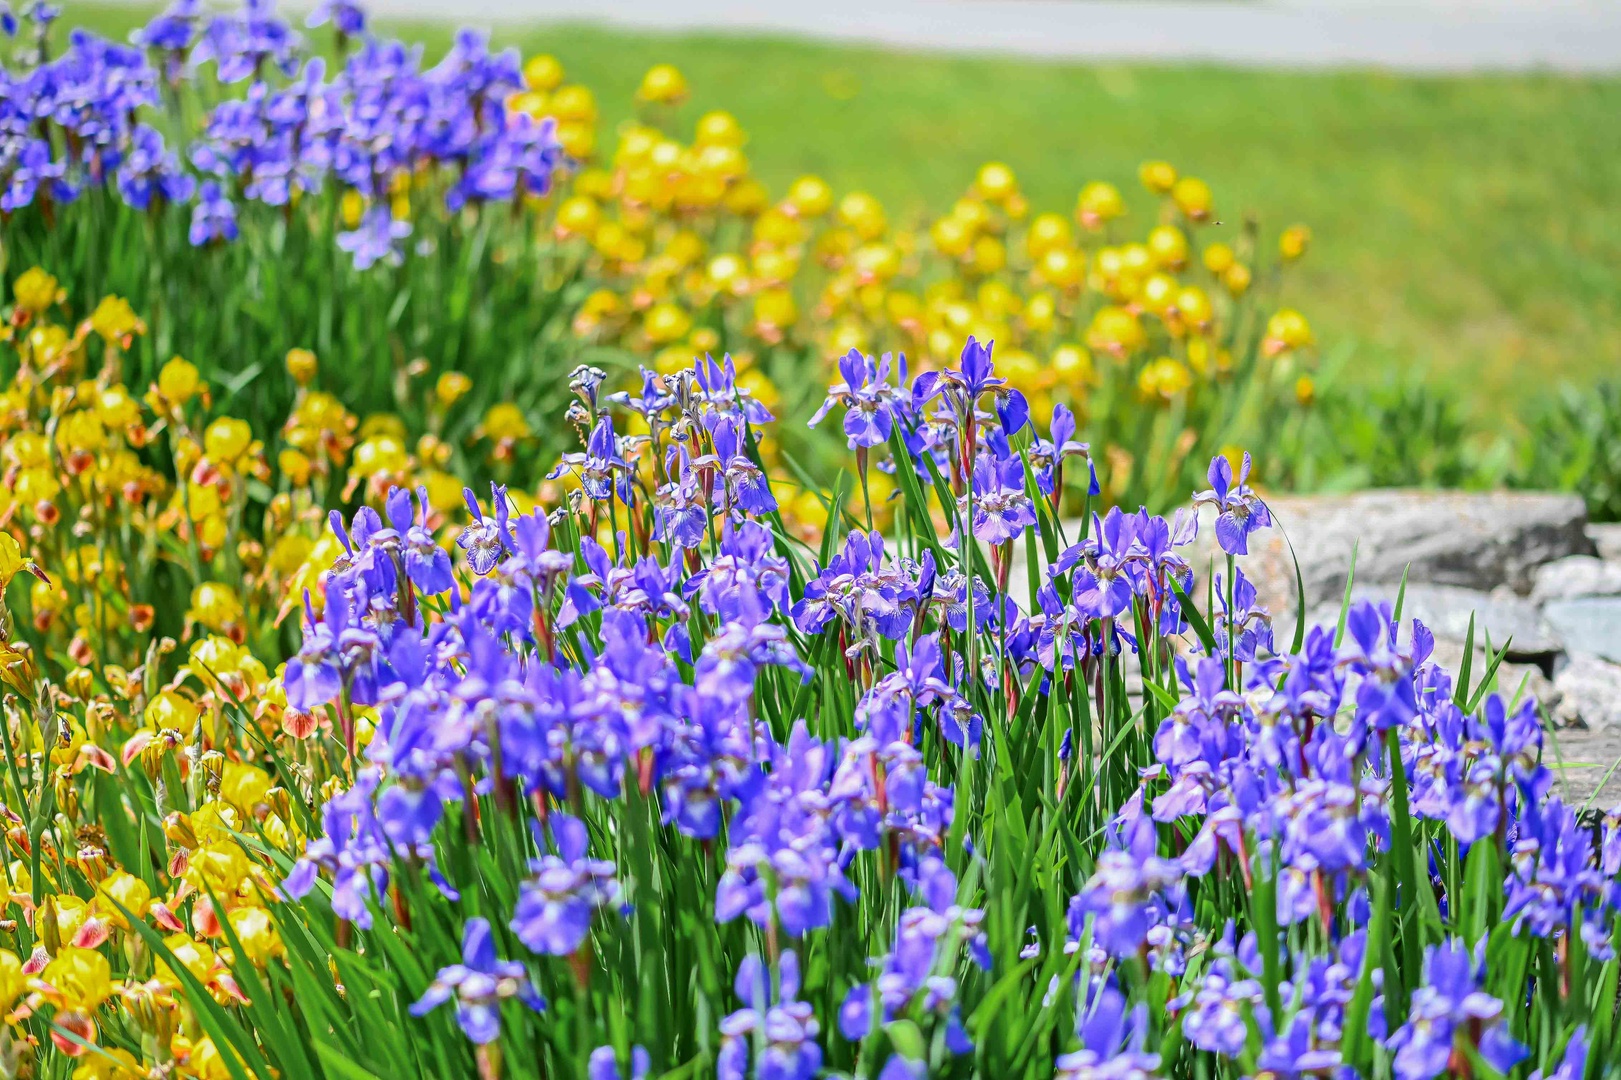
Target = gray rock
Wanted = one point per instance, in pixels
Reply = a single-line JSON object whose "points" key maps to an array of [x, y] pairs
{"points": [[1589, 693], [1576, 575], [1446, 610], [1514, 681], [1468, 540], [1606, 540], [1591, 624], [1581, 762]]}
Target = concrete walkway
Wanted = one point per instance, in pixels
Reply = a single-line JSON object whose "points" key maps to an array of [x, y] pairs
{"points": [[1416, 35]]}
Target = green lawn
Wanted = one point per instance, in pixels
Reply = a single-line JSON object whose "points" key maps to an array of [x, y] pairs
{"points": [[1466, 228]]}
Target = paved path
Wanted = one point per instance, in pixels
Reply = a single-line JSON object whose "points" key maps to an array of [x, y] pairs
{"points": [[1415, 35]]}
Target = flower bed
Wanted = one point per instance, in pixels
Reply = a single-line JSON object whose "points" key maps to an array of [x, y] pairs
{"points": [[660, 757]]}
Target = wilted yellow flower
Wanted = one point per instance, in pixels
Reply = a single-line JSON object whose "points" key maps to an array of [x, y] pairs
{"points": [[227, 439], [1285, 330], [1236, 278], [995, 182], [178, 380], [719, 128], [504, 421], [257, 931], [78, 979], [543, 73], [215, 605], [115, 320], [666, 322], [450, 388], [1218, 257], [1157, 176], [663, 85], [1098, 202], [13, 983], [1294, 241], [129, 891], [244, 786], [811, 196], [863, 213], [1192, 197], [35, 290], [302, 365], [574, 102], [1164, 378], [1305, 390], [579, 215]]}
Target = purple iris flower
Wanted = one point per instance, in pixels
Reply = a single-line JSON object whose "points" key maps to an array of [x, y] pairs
{"points": [[1002, 509], [426, 563], [602, 470], [1239, 510], [1112, 1039], [784, 1027], [604, 1064], [172, 30], [346, 16], [213, 219], [1573, 1064], [151, 168], [353, 848], [1047, 457], [556, 903], [747, 485], [867, 396], [1450, 1000], [478, 985], [1126, 894], [1220, 1008], [1555, 873], [377, 239], [1103, 586], [486, 540], [914, 977], [337, 650], [1292, 1054], [34, 166]]}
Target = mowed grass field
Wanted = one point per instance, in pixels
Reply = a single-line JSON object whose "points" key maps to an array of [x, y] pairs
{"points": [[1467, 229]]}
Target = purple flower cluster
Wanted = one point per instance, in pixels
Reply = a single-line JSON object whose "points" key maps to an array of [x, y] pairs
{"points": [[478, 985], [382, 120], [917, 977], [556, 677]]}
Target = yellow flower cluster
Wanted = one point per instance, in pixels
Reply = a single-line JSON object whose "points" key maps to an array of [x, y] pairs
{"points": [[1099, 309]]}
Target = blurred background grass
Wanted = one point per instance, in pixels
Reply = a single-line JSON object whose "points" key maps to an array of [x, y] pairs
{"points": [[1467, 228]]}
